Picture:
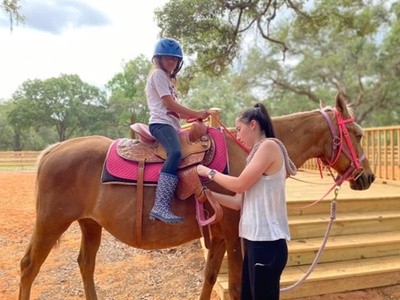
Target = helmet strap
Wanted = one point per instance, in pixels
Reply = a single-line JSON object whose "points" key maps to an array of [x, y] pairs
{"points": [[177, 69]]}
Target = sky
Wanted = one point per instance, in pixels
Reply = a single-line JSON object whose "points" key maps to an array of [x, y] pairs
{"points": [[90, 38]]}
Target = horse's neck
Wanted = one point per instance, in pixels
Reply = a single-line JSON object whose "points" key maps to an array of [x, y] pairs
{"points": [[302, 134]]}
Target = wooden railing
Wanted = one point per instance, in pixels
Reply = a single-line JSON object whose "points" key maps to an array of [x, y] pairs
{"points": [[18, 160], [381, 146]]}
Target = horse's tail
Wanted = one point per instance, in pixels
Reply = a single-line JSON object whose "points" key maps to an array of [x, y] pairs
{"points": [[39, 161]]}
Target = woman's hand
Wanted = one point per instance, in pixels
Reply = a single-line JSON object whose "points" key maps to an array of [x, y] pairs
{"points": [[202, 170]]}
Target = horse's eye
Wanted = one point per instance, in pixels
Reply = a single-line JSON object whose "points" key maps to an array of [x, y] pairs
{"points": [[359, 137]]}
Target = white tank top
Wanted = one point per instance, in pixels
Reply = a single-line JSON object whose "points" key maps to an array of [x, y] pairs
{"points": [[264, 214]]}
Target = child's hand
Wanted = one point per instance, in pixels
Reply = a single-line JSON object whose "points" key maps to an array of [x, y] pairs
{"points": [[202, 114]]}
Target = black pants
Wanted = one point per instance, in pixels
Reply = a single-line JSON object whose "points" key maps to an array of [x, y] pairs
{"points": [[263, 265]]}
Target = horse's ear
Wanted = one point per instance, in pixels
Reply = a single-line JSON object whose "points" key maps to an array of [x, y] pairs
{"points": [[321, 104], [341, 104]]}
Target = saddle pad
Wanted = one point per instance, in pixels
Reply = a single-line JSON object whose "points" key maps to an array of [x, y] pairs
{"points": [[127, 169], [120, 168], [220, 159]]}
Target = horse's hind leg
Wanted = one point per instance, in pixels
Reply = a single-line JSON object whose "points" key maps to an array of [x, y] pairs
{"points": [[91, 237], [43, 239], [213, 264]]}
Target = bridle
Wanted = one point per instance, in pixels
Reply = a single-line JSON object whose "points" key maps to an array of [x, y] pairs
{"points": [[354, 170]]}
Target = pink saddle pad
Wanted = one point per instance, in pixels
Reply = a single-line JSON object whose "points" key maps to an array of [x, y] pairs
{"points": [[128, 170]]}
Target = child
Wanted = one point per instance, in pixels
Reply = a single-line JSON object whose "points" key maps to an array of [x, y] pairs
{"points": [[164, 125]]}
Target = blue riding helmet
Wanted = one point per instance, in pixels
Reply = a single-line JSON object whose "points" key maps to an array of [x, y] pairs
{"points": [[168, 46]]}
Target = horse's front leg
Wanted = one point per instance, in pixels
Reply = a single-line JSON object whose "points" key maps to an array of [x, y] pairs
{"points": [[213, 264], [91, 238], [235, 262]]}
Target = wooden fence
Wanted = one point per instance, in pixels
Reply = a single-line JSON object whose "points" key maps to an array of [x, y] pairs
{"points": [[381, 146], [18, 160]]}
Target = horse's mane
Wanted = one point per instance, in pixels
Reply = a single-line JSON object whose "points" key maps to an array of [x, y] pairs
{"points": [[296, 114], [350, 109]]}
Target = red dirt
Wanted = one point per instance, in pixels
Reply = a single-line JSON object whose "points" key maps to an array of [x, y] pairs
{"points": [[122, 272]]}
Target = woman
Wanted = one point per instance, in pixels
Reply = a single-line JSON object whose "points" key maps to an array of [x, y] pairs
{"points": [[260, 194], [164, 123]]}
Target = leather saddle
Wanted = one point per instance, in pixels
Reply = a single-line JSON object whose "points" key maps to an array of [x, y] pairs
{"points": [[197, 147]]}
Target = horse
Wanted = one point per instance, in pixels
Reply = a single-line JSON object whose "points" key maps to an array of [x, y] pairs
{"points": [[69, 189]]}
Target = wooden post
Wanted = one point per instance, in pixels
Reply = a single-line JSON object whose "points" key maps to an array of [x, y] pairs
{"points": [[132, 133], [213, 119]]}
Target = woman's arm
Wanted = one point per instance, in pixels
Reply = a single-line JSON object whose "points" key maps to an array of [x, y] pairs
{"points": [[233, 202], [265, 161]]}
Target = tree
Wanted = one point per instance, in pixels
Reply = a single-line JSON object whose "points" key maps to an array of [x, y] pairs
{"points": [[213, 31], [127, 101], [305, 50], [228, 92], [12, 9], [64, 103], [6, 131], [343, 57]]}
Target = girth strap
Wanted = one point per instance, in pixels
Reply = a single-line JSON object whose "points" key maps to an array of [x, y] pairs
{"points": [[137, 237]]}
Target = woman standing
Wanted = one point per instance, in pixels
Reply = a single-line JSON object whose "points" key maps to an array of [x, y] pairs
{"points": [[260, 195]]}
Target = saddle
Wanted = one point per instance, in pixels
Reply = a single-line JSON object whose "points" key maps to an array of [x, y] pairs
{"points": [[143, 158]]}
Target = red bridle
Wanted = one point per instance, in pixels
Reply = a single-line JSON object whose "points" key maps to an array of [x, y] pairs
{"points": [[337, 148]]}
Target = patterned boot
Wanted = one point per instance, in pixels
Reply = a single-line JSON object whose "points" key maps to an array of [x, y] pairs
{"points": [[164, 194]]}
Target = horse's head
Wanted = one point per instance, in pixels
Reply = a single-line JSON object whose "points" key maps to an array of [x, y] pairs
{"points": [[344, 153]]}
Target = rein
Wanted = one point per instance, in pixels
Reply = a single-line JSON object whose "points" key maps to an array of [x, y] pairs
{"points": [[337, 148], [321, 249], [232, 136]]}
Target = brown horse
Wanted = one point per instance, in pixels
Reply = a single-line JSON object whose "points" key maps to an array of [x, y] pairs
{"points": [[69, 189]]}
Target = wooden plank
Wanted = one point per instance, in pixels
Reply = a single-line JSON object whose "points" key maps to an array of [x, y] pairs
{"points": [[372, 204], [18, 159], [343, 276], [365, 238], [309, 226], [340, 248], [333, 277]]}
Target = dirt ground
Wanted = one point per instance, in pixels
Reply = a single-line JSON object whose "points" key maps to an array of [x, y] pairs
{"points": [[122, 272]]}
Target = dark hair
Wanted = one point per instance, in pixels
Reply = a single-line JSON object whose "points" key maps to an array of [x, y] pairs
{"points": [[260, 114]]}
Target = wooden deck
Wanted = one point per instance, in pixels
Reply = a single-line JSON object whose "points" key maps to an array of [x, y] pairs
{"points": [[363, 249]]}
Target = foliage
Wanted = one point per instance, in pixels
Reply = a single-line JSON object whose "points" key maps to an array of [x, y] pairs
{"points": [[203, 31], [296, 52], [213, 31], [127, 100], [12, 8], [287, 54], [228, 93], [64, 103]]}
